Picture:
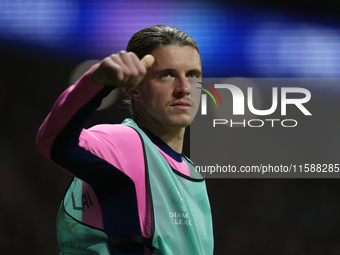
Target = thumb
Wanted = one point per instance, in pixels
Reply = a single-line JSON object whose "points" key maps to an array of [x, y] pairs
{"points": [[148, 60]]}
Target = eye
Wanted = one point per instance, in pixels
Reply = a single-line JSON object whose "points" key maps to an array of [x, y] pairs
{"points": [[193, 75], [166, 76]]}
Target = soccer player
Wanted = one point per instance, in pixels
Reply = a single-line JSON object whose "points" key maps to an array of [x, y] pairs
{"points": [[133, 190]]}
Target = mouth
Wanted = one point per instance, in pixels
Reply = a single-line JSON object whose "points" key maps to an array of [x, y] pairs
{"points": [[181, 105]]}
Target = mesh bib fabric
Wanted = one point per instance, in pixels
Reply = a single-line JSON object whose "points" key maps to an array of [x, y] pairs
{"points": [[73, 236], [181, 210]]}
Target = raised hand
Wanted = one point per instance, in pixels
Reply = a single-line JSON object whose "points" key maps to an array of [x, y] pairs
{"points": [[123, 69]]}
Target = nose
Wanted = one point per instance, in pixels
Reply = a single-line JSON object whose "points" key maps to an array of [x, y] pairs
{"points": [[182, 86]]}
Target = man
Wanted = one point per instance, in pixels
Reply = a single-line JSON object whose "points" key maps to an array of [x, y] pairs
{"points": [[133, 191]]}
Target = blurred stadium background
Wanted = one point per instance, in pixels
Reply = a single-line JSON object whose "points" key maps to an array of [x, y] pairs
{"points": [[43, 43]]}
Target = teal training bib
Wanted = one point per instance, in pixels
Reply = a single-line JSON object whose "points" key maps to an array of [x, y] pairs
{"points": [[181, 211]]}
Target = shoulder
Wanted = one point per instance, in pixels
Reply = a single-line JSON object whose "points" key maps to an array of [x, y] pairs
{"points": [[118, 144], [113, 129], [111, 135]]}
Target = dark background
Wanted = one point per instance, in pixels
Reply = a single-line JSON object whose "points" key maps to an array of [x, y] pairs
{"points": [[42, 42]]}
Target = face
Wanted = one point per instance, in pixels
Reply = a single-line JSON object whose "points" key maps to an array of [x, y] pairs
{"points": [[168, 93]]}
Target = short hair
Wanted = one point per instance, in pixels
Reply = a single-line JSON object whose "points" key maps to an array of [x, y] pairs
{"points": [[145, 41], [148, 39]]}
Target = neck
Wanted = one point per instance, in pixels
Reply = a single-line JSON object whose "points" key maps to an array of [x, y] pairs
{"points": [[171, 135]]}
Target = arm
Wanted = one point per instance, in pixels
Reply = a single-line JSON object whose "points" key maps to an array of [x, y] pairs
{"points": [[59, 133], [100, 155], [66, 107]]}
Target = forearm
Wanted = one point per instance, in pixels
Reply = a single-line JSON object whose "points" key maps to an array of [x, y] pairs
{"points": [[71, 109]]}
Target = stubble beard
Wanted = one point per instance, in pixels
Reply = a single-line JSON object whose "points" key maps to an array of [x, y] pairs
{"points": [[176, 121]]}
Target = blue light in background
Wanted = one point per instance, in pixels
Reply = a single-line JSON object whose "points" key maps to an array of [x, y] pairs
{"points": [[298, 49], [46, 23], [234, 40], [115, 23]]}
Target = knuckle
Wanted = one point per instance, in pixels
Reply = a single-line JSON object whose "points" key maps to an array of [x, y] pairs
{"points": [[132, 54], [114, 57], [122, 52]]}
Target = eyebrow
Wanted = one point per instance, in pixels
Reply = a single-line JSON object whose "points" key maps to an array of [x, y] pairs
{"points": [[199, 72]]}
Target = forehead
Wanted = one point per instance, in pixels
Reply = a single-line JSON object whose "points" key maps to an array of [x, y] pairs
{"points": [[181, 58]]}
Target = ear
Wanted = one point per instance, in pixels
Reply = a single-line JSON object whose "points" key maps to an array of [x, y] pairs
{"points": [[133, 93]]}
